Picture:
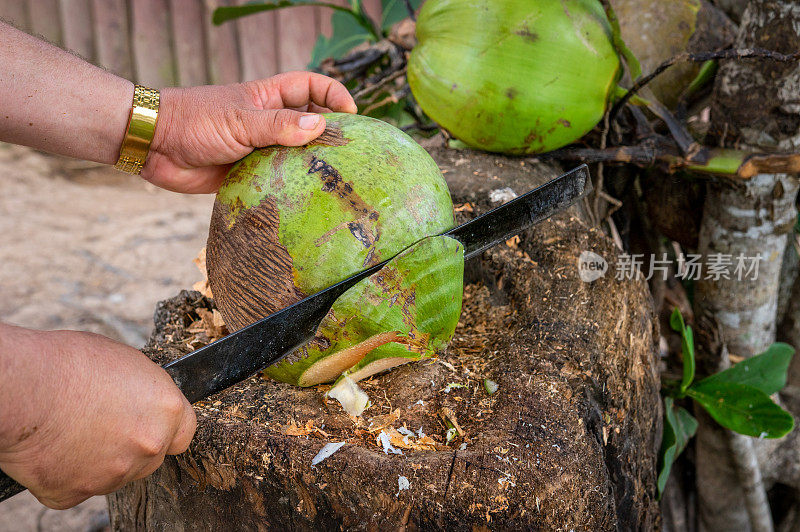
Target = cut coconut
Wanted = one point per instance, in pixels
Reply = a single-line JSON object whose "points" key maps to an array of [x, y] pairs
{"points": [[290, 221], [406, 311]]}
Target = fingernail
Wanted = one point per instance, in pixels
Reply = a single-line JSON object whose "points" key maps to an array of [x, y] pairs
{"points": [[309, 121]]}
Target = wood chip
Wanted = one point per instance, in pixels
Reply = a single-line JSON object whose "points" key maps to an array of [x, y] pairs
{"points": [[378, 423], [448, 415], [400, 441], [309, 429], [202, 286], [213, 324]]}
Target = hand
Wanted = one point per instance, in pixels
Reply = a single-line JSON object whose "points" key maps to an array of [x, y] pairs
{"points": [[83, 415], [202, 130]]}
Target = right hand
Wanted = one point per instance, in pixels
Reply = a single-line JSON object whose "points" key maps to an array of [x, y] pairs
{"points": [[202, 131], [83, 415]]}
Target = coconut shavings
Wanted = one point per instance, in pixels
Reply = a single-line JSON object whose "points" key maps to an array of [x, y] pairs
{"points": [[326, 451], [402, 484], [502, 195], [386, 442], [405, 432], [452, 386], [352, 398]]}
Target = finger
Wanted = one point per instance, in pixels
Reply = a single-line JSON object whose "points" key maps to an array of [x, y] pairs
{"points": [[311, 108], [314, 108], [299, 88], [282, 126], [185, 432]]}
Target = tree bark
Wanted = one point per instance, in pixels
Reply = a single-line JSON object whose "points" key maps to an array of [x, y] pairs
{"points": [[754, 104], [789, 306], [568, 441], [734, 8]]}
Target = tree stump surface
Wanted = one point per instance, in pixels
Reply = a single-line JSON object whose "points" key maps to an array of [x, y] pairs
{"points": [[568, 441]]}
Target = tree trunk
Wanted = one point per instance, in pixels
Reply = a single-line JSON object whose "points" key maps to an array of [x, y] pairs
{"points": [[568, 441], [789, 307], [734, 8], [755, 104]]}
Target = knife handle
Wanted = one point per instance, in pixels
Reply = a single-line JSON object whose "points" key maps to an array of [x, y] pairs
{"points": [[9, 487]]}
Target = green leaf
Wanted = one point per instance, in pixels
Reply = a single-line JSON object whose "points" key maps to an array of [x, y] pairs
{"points": [[226, 13], [766, 371], [687, 346], [347, 33], [394, 11], [679, 427], [742, 408]]}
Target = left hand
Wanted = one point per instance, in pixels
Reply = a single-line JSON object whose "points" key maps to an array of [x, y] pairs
{"points": [[201, 131]]}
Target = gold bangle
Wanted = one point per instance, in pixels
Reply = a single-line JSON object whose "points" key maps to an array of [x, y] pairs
{"points": [[141, 126]]}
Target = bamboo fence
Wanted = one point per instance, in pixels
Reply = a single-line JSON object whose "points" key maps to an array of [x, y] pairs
{"points": [[162, 43]]}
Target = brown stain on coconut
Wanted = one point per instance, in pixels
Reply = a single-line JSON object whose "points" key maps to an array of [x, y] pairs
{"points": [[366, 227], [526, 33], [389, 281], [256, 296]]}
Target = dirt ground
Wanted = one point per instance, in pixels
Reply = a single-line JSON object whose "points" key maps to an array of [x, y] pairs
{"points": [[85, 247]]}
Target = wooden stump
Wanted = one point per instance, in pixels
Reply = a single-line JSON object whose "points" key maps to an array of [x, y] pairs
{"points": [[568, 441]]}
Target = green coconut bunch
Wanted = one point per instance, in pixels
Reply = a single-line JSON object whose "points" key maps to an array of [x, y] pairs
{"points": [[514, 76], [290, 221]]}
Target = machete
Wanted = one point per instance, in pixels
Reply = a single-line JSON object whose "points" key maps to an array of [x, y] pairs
{"points": [[240, 355]]}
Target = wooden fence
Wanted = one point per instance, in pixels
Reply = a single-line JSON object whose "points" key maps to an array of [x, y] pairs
{"points": [[172, 42]]}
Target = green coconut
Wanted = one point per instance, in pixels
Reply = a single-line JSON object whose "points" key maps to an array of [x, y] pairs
{"points": [[517, 76], [290, 221]]}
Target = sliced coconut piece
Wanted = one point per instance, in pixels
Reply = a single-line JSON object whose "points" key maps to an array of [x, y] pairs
{"points": [[352, 398], [378, 366], [331, 367], [406, 311]]}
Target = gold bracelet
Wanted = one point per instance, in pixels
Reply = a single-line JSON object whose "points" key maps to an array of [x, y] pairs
{"points": [[141, 126]]}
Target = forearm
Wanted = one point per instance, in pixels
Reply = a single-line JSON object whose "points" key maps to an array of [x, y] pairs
{"points": [[57, 102]]}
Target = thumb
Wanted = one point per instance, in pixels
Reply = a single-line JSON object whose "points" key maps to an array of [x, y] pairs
{"points": [[282, 126]]}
